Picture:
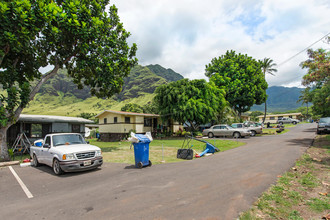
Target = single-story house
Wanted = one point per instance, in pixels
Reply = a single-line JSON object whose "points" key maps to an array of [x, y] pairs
{"points": [[273, 118], [115, 125], [38, 126]]}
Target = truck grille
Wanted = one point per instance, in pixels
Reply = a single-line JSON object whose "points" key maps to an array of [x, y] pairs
{"points": [[85, 155]]}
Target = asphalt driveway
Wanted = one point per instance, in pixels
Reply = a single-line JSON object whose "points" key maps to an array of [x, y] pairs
{"points": [[216, 187]]}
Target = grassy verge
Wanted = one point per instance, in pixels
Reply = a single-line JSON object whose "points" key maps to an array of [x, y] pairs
{"points": [[159, 150], [303, 192]]}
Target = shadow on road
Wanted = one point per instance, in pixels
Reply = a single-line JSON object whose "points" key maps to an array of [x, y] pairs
{"points": [[305, 142], [49, 170], [130, 167], [310, 130]]}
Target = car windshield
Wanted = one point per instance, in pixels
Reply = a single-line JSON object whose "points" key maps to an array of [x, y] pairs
{"points": [[325, 120], [67, 139]]}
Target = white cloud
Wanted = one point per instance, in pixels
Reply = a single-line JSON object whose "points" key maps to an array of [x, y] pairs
{"points": [[185, 35]]}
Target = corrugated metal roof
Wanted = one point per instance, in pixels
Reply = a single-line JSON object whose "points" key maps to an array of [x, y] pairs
{"points": [[126, 113], [285, 114], [52, 118]]}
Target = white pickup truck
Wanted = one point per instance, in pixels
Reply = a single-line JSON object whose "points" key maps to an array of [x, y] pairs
{"points": [[66, 152]]}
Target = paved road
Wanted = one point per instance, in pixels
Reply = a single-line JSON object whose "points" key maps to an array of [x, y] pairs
{"points": [[216, 187]]}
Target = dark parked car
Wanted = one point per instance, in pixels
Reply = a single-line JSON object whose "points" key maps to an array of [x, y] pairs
{"points": [[323, 125]]}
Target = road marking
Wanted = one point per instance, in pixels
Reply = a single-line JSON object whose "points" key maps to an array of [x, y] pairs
{"points": [[25, 189]]}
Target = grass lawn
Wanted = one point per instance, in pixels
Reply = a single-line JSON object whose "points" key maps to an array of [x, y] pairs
{"points": [[120, 152], [302, 193]]}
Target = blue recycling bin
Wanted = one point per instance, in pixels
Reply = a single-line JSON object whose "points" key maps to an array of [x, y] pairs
{"points": [[141, 151]]}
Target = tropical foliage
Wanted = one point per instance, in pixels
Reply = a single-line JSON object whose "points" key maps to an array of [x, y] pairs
{"points": [[195, 101], [318, 79], [81, 36], [241, 78], [132, 108]]}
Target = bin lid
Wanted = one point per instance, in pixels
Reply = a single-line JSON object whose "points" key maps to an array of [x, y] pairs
{"points": [[142, 138]]}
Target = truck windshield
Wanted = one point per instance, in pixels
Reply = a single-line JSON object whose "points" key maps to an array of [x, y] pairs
{"points": [[67, 139]]}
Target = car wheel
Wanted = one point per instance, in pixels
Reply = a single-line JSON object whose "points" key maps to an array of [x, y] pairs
{"points": [[318, 132], [236, 135], [35, 161], [253, 133], [56, 167], [210, 135], [294, 122]]}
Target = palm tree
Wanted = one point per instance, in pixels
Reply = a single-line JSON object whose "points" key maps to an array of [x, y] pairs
{"points": [[267, 66], [305, 98]]}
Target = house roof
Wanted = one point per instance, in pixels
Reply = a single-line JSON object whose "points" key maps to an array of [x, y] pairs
{"points": [[126, 113], [52, 118], [286, 114]]}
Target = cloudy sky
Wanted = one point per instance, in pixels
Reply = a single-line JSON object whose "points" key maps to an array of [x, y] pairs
{"points": [[185, 35]]}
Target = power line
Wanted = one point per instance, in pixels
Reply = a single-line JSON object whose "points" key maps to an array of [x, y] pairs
{"points": [[303, 50]]}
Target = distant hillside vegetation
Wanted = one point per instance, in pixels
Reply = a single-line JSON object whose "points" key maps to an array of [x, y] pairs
{"points": [[280, 99], [140, 81], [168, 74], [60, 96]]}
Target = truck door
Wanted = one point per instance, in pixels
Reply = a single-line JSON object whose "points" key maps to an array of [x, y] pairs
{"points": [[46, 152]]}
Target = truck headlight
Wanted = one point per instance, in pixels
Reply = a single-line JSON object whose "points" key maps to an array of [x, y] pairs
{"points": [[98, 153], [68, 157]]}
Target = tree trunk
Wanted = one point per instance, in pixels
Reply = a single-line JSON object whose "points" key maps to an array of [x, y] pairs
{"points": [[3, 144], [3, 130], [263, 120]]}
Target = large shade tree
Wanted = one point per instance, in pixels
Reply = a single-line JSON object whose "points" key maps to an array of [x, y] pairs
{"points": [[195, 101], [318, 79], [78, 35], [267, 66], [241, 78]]}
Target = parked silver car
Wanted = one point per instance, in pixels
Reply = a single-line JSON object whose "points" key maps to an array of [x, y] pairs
{"points": [[287, 121], [225, 130], [249, 126]]}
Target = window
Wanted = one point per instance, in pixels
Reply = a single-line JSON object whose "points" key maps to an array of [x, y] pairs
{"points": [[290, 116], [127, 120], [36, 130], [147, 122], [272, 118], [280, 117], [75, 128], [216, 127], [47, 140], [104, 120], [115, 120]]}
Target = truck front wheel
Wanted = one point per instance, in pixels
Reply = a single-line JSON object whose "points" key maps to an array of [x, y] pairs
{"points": [[56, 167], [35, 161]]}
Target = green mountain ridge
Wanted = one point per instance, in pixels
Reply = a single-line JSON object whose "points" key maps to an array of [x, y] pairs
{"points": [[60, 96], [280, 99]]}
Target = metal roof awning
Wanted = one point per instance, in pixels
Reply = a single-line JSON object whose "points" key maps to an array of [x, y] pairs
{"points": [[52, 119]]}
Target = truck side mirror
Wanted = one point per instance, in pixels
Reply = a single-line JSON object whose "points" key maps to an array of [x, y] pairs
{"points": [[46, 146]]}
